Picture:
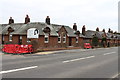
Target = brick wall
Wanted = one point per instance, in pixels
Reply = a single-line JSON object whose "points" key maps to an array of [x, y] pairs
{"points": [[15, 39], [6, 38]]}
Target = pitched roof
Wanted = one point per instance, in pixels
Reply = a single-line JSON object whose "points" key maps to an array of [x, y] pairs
{"points": [[21, 28], [90, 34]]}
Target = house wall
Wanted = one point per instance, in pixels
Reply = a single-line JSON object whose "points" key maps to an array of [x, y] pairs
{"points": [[53, 42], [24, 39], [6, 38], [15, 39], [80, 42], [87, 40]]}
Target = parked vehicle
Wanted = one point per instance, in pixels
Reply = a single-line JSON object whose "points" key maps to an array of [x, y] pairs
{"points": [[87, 45]]}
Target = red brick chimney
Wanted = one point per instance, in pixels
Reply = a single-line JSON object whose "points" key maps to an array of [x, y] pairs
{"points": [[109, 31], [11, 20], [97, 29], [75, 27], [83, 30], [103, 30], [47, 20], [27, 19]]}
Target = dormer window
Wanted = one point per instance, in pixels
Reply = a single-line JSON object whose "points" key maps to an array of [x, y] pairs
{"points": [[46, 30], [10, 30]]}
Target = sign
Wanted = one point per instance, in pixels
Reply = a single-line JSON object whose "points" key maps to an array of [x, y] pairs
{"points": [[32, 33]]}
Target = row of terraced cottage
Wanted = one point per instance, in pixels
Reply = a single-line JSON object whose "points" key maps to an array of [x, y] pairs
{"points": [[53, 36]]}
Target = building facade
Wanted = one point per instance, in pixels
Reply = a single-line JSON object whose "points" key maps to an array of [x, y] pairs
{"points": [[50, 36]]}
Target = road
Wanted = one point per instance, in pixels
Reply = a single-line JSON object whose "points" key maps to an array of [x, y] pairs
{"points": [[79, 63]]}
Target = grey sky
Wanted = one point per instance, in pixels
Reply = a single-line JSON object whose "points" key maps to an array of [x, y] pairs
{"points": [[92, 13]]}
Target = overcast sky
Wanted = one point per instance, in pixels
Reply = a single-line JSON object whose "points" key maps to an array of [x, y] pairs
{"points": [[92, 13]]}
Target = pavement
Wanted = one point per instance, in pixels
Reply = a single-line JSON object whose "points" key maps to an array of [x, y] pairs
{"points": [[77, 63]]}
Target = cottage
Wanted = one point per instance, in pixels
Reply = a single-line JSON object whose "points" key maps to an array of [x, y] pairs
{"points": [[50, 36]]}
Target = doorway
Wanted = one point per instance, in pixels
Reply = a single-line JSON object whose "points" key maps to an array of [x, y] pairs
{"points": [[70, 41]]}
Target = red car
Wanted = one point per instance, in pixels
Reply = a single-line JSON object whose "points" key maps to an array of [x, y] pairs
{"points": [[87, 46]]}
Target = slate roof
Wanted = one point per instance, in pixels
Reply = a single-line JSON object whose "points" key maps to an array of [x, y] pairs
{"points": [[21, 28], [90, 34]]}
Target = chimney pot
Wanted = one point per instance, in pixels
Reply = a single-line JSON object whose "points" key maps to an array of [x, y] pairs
{"points": [[75, 27], [47, 20], [11, 20], [97, 29], [27, 19], [83, 30]]}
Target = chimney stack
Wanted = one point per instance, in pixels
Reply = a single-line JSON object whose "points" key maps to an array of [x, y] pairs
{"points": [[115, 32], [27, 19], [97, 29], [75, 27], [11, 20], [47, 20], [103, 30], [109, 31], [83, 30]]}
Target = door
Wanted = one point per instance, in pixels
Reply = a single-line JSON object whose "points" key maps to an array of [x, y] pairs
{"points": [[70, 41]]}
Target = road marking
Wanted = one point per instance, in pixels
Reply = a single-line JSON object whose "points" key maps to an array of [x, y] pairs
{"points": [[83, 50], [101, 48], [78, 59], [21, 69], [109, 53], [115, 76], [107, 48]]}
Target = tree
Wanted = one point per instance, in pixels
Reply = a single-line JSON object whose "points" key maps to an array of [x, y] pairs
{"points": [[35, 45], [104, 41], [95, 41]]}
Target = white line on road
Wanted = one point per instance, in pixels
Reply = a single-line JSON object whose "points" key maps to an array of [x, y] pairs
{"points": [[77, 59], [115, 76], [109, 53], [21, 69], [83, 50]]}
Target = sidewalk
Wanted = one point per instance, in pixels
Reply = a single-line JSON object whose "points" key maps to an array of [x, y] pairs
{"points": [[56, 50]]}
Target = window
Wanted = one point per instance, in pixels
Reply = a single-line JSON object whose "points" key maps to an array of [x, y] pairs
{"points": [[10, 37], [64, 38], [46, 39], [2, 39], [59, 39], [20, 40], [28, 40], [76, 39]]}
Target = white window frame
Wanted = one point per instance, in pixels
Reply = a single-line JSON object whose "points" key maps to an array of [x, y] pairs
{"points": [[60, 39], [28, 40], [20, 38], [77, 39], [64, 37], [3, 38], [10, 37], [46, 36]]}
